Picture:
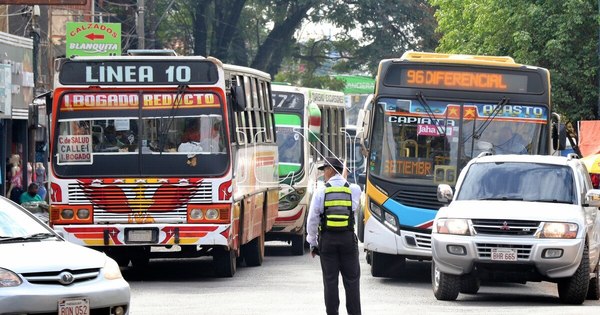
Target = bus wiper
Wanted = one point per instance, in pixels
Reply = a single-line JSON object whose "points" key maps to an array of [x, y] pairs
{"points": [[165, 127], [430, 114], [477, 133], [36, 236]]}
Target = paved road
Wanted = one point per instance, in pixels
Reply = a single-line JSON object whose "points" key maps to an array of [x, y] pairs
{"points": [[287, 284]]}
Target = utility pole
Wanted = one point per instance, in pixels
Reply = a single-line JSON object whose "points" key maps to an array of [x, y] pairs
{"points": [[30, 156], [140, 24]]}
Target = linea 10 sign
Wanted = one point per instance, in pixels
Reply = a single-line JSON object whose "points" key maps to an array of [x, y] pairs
{"points": [[138, 72]]}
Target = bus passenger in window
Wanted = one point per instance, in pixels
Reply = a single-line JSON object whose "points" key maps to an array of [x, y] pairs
{"points": [[191, 131], [213, 143]]}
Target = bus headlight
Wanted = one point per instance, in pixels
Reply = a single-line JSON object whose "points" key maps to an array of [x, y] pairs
{"points": [[83, 214], [196, 214], [67, 214], [375, 210], [212, 214], [452, 226], [387, 218], [291, 200], [559, 230]]}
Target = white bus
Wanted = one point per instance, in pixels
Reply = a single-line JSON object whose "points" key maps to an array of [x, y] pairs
{"points": [[310, 126]]}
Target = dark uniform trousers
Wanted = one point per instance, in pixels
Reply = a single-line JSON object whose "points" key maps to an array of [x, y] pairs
{"points": [[339, 253]]}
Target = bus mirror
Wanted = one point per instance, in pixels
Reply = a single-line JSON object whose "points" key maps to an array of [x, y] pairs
{"points": [[362, 179], [314, 122], [239, 98], [559, 136]]}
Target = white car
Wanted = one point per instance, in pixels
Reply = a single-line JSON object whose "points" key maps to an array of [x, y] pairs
{"points": [[517, 218], [42, 273]]}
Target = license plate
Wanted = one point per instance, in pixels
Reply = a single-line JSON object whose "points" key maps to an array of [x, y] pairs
{"points": [[504, 254], [74, 307], [139, 236]]}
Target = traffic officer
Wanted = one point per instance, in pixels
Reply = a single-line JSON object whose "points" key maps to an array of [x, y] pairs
{"points": [[331, 235]]}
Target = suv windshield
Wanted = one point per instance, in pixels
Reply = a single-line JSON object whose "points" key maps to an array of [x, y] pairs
{"points": [[519, 181]]}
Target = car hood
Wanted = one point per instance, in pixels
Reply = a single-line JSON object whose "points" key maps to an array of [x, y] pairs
{"points": [[48, 256], [511, 210]]}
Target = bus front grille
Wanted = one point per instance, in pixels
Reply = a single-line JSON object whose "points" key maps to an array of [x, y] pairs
{"points": [[419, 197], [126, 202]]}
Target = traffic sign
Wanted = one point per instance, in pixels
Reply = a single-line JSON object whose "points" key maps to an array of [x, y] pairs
{"points": [[93, 39]]}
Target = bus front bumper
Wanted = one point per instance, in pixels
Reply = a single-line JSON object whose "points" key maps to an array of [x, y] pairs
{"points": [[379, 238], [146, 234]]}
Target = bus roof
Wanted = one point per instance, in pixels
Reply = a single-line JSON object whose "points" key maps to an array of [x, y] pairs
{"points": [[246, 70], [318, 95], [498, 61]]}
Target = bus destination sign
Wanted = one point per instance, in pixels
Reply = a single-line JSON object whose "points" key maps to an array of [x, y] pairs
{"points": [[474, 79], [138, 72]]}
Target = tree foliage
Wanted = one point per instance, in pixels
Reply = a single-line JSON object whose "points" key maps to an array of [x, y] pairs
{"points": [[561, 36], [263, 33]]}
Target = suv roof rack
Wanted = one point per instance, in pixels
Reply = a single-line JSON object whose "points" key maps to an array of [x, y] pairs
{"points": [[486, 153]]}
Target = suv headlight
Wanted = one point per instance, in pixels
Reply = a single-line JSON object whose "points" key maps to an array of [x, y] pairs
{"points": [[112, 270], [9, 279], [559, 230], [452, 226]]}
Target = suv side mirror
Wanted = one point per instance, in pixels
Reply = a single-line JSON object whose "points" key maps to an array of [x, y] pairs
{"points": [[592, 198], [444, 193]]}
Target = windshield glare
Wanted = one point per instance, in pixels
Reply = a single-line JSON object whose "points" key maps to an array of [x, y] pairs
{"points": [[289, 143], [518, 181], [422, 143], [15, 222]]}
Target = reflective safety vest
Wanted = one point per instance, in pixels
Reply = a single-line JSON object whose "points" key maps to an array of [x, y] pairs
{"points": [[337, 211]]}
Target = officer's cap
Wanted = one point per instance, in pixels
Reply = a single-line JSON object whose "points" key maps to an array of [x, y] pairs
{"points": [[333, 162]]}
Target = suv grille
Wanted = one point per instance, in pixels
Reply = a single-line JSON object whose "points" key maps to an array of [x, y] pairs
{"points": [[505, 227], [485, 250]]}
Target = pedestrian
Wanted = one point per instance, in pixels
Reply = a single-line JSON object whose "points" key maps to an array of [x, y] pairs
{"points": [[331, 235], [31, 195]]}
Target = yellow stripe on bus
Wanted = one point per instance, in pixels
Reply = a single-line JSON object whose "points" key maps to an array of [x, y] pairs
{"points": [[375, 194]]}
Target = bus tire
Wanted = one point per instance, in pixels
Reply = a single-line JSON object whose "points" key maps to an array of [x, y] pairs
{"points": [[385, 265], [594, 287], [298, 245], [445, 286], [360, 225], [225, 263], [254, 251], [140, 258]]}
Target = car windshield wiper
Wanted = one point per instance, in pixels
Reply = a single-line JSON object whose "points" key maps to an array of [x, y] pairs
{"points": [[36, 236], [551, 201]]}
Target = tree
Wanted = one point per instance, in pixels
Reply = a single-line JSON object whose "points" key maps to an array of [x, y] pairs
{"points": [[561, 36]]}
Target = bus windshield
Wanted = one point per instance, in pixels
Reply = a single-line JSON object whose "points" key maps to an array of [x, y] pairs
{"points": [[132, 142], [290, 143], [423, 143]]}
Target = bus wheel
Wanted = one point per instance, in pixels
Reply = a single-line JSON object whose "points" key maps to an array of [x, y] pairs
{"points": [[225, 262], [140, 258], [360, 225], [298, 245], [385, 265], [254, 251]]}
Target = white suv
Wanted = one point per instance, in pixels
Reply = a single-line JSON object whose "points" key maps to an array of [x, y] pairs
{"points": [[518, 218]]}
